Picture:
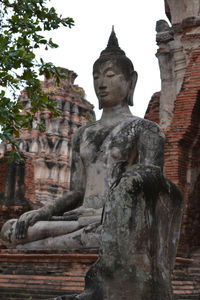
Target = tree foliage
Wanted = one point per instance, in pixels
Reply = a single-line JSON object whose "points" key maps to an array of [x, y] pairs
{"points": [[22, 27]]}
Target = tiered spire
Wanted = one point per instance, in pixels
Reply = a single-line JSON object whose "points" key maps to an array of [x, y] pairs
{"points": [[112, 46]]}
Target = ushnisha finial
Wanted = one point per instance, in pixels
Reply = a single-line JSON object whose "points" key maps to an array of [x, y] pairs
{"points": [[113, 45]]}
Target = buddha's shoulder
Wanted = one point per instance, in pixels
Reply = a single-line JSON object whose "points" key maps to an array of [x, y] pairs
{"points": [[142, 127], [141, 124], [148, 125], [80, 131]]}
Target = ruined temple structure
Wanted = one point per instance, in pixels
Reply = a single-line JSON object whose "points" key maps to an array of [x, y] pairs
{"points": [[45, 174], [177, 109]]}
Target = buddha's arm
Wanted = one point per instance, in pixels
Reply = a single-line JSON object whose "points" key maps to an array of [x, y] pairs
{"points": [[68, 201], [151, 145], [147, 174]]}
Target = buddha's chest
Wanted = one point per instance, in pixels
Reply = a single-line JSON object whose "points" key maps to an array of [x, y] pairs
{"points": [[109, 145]]}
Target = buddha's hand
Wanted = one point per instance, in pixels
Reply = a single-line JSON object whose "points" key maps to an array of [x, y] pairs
{"points": [[29, 219], [82, 212]]}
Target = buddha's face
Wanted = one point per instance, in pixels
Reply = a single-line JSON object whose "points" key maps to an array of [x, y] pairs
{"points": [[111, 86]]}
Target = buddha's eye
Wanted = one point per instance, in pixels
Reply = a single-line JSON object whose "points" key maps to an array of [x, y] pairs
{"points": [[96, 77], [110, 74]]}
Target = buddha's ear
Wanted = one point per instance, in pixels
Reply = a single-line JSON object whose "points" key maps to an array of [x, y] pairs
{"points": [[134, 78]]}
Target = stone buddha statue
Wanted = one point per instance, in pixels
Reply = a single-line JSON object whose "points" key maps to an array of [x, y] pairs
{"points": [[101, 153], [119, 199]]}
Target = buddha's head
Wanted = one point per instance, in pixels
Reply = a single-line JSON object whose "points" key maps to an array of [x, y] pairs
{"points": [[114, 73]]}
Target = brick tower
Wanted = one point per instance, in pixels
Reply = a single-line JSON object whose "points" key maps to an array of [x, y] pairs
{"points": [[177, 109]]}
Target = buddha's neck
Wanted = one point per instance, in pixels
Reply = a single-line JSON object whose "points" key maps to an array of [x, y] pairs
{"points": [[112, 115]]}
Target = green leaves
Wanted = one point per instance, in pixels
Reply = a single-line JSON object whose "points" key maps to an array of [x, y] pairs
{"points": [[21, 32]]}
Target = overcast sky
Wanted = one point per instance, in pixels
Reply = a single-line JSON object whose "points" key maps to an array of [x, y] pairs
{"points": [[80, 46]]}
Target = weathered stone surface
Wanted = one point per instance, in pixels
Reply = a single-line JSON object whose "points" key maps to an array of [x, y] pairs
{"points": [[177, 10], [101, 152], [140, 234], [141, 227], [117, 166], [172, 63], [141, 223], [134, 140], [176, 43]]}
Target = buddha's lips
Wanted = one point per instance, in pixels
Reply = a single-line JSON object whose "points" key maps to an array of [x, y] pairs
{"points": [[103, 94]]}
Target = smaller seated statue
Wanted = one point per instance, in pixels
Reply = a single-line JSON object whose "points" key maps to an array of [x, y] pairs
{"points": [[102, 151]]}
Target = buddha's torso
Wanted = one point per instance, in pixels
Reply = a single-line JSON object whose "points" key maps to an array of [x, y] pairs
{"points": [[107, 152]]}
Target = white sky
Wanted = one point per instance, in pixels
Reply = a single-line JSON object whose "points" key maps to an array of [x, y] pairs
{"points": [[80, 46]]}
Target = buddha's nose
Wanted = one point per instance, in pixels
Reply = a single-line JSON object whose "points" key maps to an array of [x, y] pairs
{"points": [[102, 83]]}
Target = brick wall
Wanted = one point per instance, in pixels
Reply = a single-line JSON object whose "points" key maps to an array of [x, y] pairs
{"points": [[152, 112], [30, 185], [42, 275], [47, 275], [182, 149]]}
